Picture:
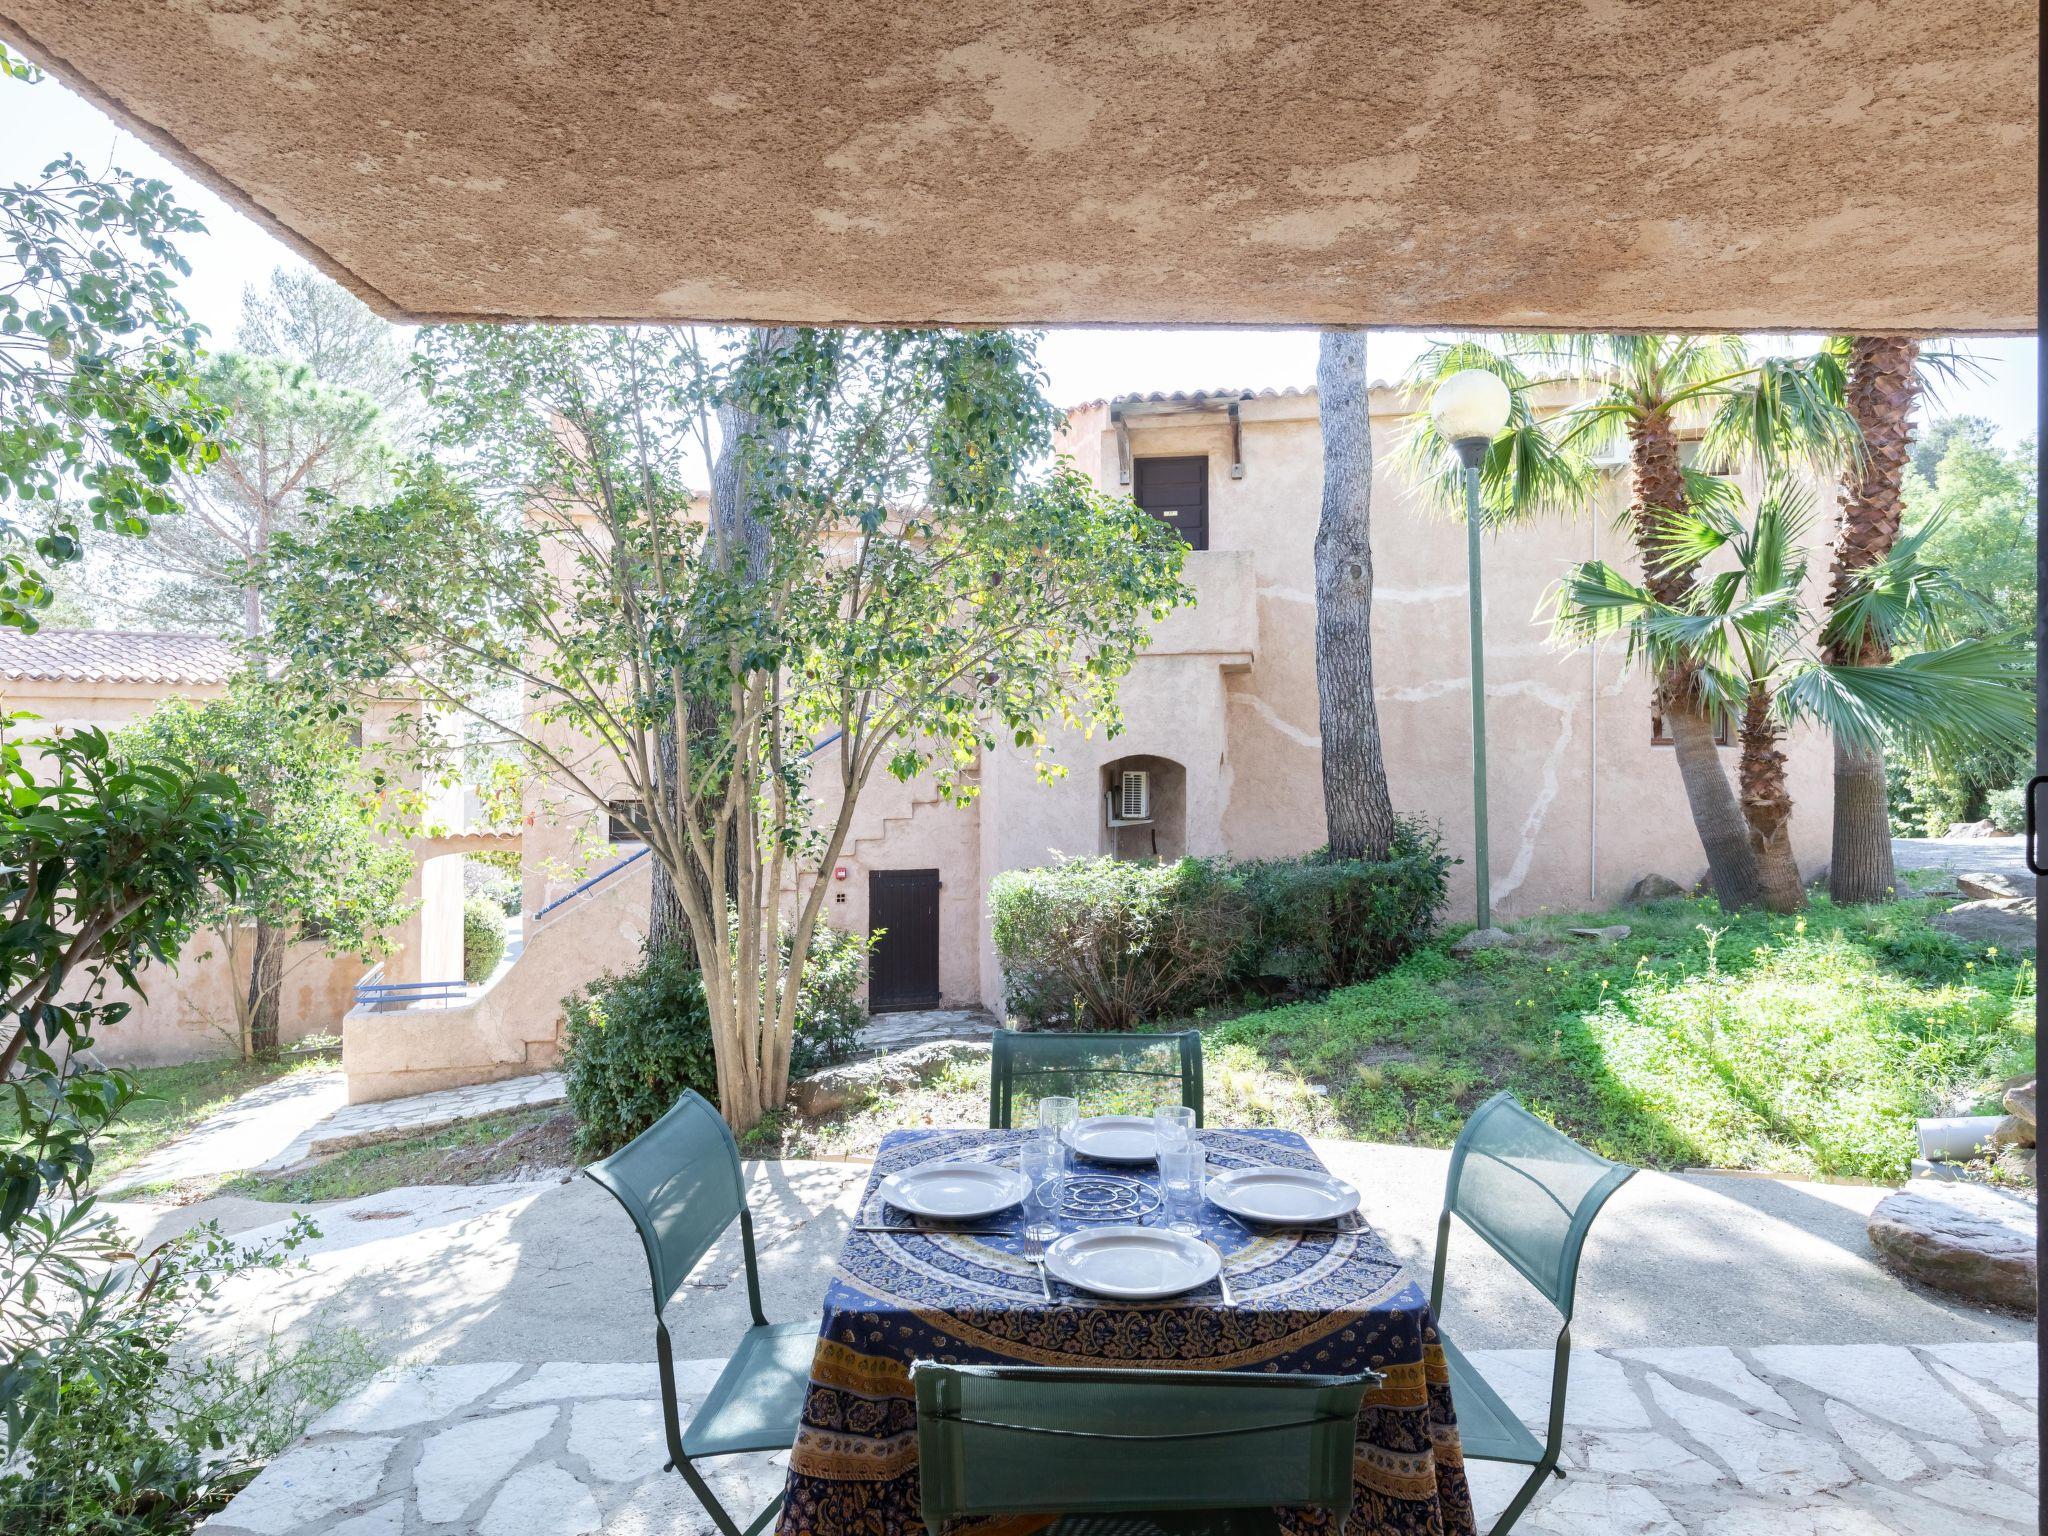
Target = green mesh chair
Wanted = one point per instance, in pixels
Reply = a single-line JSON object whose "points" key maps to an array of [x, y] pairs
{"points": [[680, 1182], [1107, 1073], [1531, 1194], [1134, 1453]]}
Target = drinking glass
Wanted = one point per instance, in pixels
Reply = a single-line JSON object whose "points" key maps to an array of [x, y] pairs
{"points": [[1043, 1169], [1182, 1177], [1056, 1117], [1173, 1125]]}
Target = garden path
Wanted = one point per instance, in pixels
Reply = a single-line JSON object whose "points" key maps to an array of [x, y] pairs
{"points": [[1963, 855]]}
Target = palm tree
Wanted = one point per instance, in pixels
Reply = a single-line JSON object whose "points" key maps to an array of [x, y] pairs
{"points": [[1648, 393], [1748, 645]]}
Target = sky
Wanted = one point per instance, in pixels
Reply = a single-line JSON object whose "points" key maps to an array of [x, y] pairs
{"points": [[38, 123]]}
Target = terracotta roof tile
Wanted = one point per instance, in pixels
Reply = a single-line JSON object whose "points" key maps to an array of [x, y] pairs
{"points": [[114, 656]]}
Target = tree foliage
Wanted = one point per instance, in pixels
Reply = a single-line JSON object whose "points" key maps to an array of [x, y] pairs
{"points": [[903, 586], [325, 875], [101, 402]]}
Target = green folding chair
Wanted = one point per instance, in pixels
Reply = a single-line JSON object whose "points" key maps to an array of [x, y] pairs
{"points": [[680, 1182], [1531, 1194], [1134, 1453], [1085, 1066]]}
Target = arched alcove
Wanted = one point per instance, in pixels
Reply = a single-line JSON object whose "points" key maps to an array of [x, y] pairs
{"points": [[1161, 832]]}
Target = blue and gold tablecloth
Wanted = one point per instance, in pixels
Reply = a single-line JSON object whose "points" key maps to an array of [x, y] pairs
{"points": [[1331, 1303]]}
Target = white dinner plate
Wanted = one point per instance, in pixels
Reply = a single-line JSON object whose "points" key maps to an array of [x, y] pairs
{"points": [[1115, 1138], [1132, 1263], [955, 1191], [1284, 1196]]}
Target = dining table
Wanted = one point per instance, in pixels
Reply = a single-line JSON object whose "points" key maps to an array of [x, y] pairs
{"points": [[1330, 1299]]}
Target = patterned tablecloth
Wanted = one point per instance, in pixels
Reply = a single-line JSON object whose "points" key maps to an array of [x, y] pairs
{"points": [[1331, 1303]]}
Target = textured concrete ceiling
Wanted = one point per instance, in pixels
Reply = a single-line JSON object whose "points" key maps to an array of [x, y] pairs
{"points": [[1839, 164]]}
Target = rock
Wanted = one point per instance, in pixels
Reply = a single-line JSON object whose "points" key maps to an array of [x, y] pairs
{"points": [[824, 1093], [1973, 829], [1818, 880], [1704, 885], [1651, 888], [2019, 1103], [1484, 938], [2011, 1131], [1964, 1239], [2016, 1163], [1614, 933], [2005, 925], [1988, 885]]}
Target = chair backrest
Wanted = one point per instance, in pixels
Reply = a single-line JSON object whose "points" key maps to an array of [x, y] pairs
{"points": [[680, 1182], [1109, 1074], [1023, 1439], [1530, 1191]]}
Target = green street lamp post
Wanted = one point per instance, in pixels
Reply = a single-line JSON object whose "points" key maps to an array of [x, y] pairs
{"points": [[1470, 408]]}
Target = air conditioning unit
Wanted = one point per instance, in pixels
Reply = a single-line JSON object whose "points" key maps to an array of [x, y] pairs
{"points": [[1130, 801]]}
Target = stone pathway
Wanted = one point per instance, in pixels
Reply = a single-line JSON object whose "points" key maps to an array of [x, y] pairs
{"points": [[362, 1125], [246, 1133], [894, 1031], [1963, 855], [1841, 1440]]}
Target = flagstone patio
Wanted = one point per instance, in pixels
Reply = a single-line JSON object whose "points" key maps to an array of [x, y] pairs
{"points": [[1704, 1441]]}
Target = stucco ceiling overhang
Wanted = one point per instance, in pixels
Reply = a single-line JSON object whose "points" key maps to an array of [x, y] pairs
{"points": [[1755, 164]]}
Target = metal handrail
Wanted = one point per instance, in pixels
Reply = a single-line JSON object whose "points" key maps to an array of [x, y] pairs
{"points": [[602, 875]]}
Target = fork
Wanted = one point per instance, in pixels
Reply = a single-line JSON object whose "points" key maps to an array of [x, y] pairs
{"points": [[1034, 1254]]}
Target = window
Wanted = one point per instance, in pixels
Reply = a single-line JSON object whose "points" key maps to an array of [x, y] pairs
{"points": [[625, 821], [1176, 491], [1724, 729]]}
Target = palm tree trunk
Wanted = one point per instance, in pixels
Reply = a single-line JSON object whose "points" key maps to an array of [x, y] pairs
{"points": [[1356, 800], [1884, 383], [1656, 484], [1767, 806]]}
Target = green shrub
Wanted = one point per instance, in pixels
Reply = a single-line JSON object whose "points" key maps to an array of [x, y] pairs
{"points": [[483, 938], [635, 1042], [632, 1044], [1115, 942], [2007, 808], [1322, 922]]}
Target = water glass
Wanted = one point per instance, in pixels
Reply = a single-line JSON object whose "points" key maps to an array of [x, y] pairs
{"points": [[1173, 1125], [1056, 1117], [1183, 1174], [1044, 1168]]}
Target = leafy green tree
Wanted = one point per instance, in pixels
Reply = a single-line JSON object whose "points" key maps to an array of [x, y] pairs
{"points": [[897, 588], [327, 877], [1981, 510], [1754, 650], [100, 394], [298, 316]]}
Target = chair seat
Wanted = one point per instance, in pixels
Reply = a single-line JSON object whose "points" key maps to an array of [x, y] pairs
{"points": [[758, 1397], [1487, 1428], [1179, 1522]]}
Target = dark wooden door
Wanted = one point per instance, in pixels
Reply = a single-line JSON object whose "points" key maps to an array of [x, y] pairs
{"points": [[903, 967], [1176, 491]]}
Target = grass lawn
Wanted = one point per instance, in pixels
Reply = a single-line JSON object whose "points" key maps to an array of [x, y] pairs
{"points": [[1802, 1045], [489, 1150], [174, 1100]]}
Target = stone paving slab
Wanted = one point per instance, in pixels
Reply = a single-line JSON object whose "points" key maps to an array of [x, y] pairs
{"points": [[362, 1125], [894, 1031], [1964, 855], [1839, 1440]]}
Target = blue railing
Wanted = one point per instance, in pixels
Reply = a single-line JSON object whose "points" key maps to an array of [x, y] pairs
{"points": [[379, 994], [597, 879]]}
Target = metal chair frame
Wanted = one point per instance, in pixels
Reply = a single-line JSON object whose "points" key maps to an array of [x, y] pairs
{"points": [[1582, 1214], [1012, 1053]]}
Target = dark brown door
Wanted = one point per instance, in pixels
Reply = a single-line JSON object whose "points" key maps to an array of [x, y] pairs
{"points": [[903, 967], [1176, 491]]}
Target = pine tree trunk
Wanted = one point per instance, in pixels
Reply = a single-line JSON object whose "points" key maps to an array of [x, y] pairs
{"points": [[266, 986], [1767, 806], [1355, 796], [1656, 484], [1884, 383]]}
